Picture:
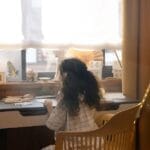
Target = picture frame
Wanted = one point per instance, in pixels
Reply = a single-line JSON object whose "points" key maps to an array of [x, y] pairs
{"points": [[2, 77], [12, 63]]}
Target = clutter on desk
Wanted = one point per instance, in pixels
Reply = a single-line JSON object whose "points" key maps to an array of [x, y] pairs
{"points": [[18, 99]]}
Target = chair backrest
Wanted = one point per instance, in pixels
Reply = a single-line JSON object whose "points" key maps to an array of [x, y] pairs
{"points": [[146, 97], [116, 134], [143, 130]]}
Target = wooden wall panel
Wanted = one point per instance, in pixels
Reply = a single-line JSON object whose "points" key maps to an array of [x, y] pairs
{"points": [[144, 50], [144, 73]]}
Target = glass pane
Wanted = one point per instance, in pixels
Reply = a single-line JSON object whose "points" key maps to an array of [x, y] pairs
{"points": [[10, 21], [11, 63], [41, 63], [113, 62]]}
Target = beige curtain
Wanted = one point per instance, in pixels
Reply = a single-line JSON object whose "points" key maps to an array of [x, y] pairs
{"points": [[130, 47], [10, 24]]}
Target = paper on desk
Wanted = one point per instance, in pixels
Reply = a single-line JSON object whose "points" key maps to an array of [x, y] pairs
{"points": [[54, 101], [18, 99], [23, 103]]}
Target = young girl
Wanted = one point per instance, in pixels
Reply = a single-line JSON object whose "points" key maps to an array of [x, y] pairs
{"points": [[78, 101]]}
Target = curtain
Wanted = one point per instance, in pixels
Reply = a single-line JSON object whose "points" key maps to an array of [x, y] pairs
{"points": [[10, 24], [130, 47], [31, 21], [54, 23], [81, 22]]}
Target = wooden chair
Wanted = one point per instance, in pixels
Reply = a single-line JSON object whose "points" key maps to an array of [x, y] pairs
{"points": [[116, 134], [146, 98], [143, 124], [102, 117]]}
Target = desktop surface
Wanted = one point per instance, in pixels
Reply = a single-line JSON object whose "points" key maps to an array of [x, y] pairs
{"points": [[111, 101], [35, 107]]}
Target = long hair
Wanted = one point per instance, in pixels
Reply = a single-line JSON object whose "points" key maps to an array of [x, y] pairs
{"points": [[78, 81]]}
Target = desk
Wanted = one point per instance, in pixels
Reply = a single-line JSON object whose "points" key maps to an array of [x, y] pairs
{"points": [[14, 119], [35, 114], [23, 127], [20, 115], [117, 98], [27, 131]]}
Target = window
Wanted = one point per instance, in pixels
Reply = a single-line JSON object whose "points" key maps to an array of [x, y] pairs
{"points": [[44, 27]]}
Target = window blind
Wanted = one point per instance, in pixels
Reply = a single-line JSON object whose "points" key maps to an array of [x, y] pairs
{"points": [[56, 23]]}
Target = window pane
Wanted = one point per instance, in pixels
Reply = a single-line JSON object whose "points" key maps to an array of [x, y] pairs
{"points": [[31, 55], [113, 60], [43, 64], [10, 24], [11, 64]]}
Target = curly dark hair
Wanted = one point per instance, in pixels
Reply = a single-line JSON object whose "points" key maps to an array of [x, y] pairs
{"points": [[78, 81]]}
